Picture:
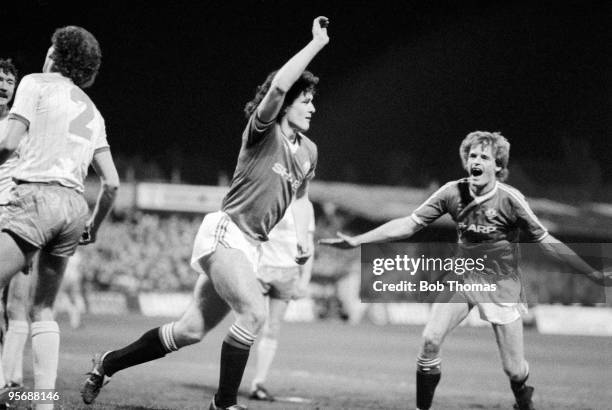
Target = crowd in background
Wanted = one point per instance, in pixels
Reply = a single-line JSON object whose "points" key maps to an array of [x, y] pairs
{"points": [[145, 252]]}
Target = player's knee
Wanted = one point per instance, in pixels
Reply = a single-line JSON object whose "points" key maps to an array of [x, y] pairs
{"points": [[258, 317], [41, 313], [431, 346], [254, 318], [16, 311], [17, 314]]}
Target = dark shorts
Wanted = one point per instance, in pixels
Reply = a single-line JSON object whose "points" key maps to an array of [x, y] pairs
{"points": [[50, 217]]}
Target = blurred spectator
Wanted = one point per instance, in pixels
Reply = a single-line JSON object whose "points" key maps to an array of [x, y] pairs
{"points": [[145, 253]]}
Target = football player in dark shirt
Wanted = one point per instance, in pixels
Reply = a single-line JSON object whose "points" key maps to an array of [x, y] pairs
{"points": [[274, 165], [488, 213]]}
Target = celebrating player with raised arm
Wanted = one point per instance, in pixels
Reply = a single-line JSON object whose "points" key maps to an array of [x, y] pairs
{"points": [[480, 200], [274, 165], [62, 133]]}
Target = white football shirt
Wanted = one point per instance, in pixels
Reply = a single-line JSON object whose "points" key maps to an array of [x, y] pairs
{"points": [[65, 129], [6, 169], [280, 249]]}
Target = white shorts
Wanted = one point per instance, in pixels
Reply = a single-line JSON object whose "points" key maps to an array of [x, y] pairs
{"points": [[279, 282], [217, 228], [501, 313]]}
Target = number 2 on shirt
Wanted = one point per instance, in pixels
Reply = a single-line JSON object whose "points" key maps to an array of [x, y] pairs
{"points": [[79, 126]]}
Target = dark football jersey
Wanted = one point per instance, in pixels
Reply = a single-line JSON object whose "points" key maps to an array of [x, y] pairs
{"points": [[269, 171], [487, 225]]}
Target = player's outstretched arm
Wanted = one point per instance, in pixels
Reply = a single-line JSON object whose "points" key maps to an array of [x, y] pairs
{"points": [[400, 228], [109, 179], [561, 251], [272, 102], [15, 131]]}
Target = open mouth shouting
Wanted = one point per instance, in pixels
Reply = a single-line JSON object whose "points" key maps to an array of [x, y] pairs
{"points": [[476, 171]]}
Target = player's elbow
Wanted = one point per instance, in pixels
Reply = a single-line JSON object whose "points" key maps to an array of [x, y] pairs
{"points": [[111, 185], [279, 87], [110, 181]]}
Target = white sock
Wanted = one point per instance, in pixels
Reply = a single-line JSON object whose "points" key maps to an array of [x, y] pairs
{"points": [[266, 350], [12, 353], [45, 352], [2, 381]]}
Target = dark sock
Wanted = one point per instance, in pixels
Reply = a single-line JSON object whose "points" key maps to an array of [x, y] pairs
{"points": [[520, 390], [426, 386], [233, 362], [148, 347]]}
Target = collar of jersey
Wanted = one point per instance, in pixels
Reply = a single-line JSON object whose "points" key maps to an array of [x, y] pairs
{"points": [[293, 146], [58, 74], [482, 198]]}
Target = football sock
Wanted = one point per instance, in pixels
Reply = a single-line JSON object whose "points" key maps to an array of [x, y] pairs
{"points": [[266, 350], [12, 352], [234, 357], [152, 345], [520, 390], [45, 352], [427, 377]]}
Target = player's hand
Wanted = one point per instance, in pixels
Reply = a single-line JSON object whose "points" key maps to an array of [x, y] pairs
{"points": [[601, 278], [342, 241], [303, 253], [319, 29], [607, 279], [88, 236]]}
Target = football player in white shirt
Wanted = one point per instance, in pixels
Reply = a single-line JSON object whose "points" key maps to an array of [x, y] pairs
{"points": [[62, 133], [8, 82], [19, 288], [283, 279], [18, 295]]}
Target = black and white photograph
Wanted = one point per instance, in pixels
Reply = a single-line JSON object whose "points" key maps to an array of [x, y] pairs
{"points": [[321, 205]]}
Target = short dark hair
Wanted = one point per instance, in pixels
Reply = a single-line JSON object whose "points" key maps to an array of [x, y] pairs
{"points": [[6, 65], [76, 54], [306, 83], [500, 148]]}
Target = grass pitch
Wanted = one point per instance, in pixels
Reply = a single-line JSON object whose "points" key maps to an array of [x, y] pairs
{"points": [[337, 366]]}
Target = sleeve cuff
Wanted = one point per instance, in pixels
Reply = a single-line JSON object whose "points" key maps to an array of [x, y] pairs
{"points": [[20, 118], [418, 220], [101, 149], [259, 125]]}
